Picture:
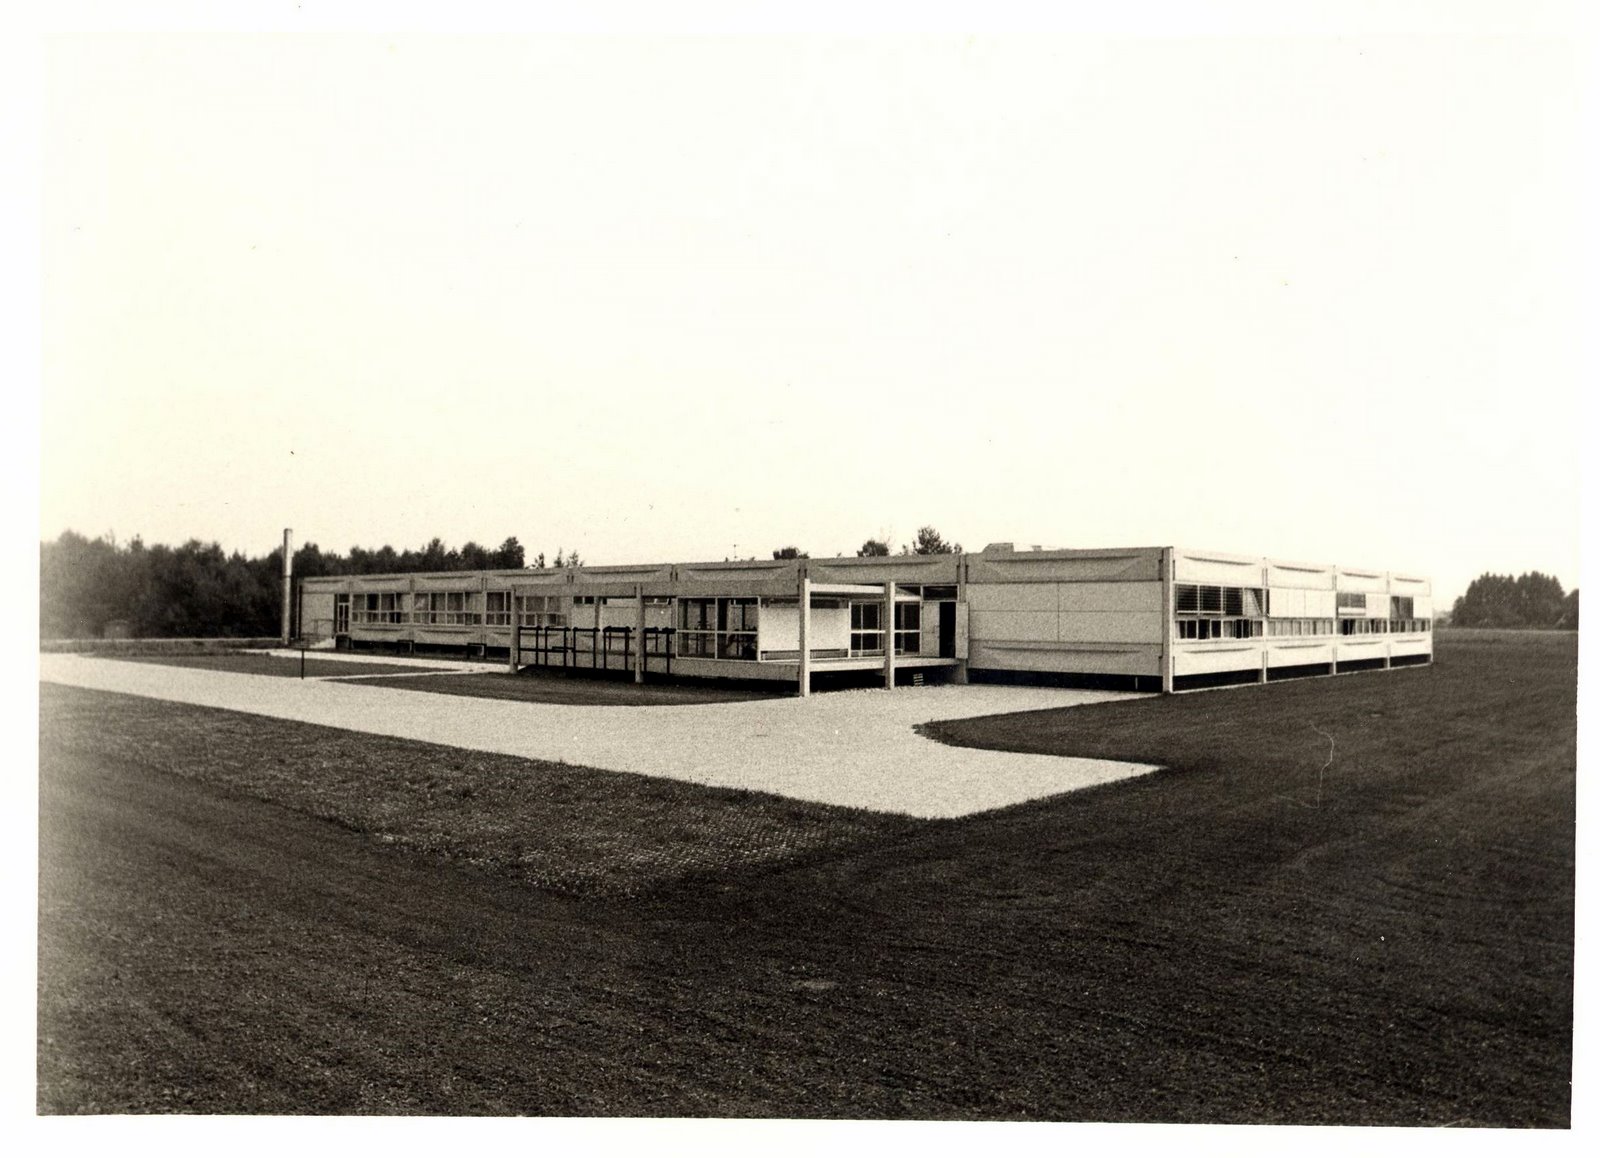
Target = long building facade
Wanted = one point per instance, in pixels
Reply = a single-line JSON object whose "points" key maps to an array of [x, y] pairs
{"points": [[1144, 618]]}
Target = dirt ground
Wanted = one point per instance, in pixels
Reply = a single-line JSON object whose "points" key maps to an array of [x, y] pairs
{"points": [[1217, 942]]}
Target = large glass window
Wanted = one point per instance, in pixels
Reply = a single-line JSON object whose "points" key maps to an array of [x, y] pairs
{"points": [[540, 611], [379, 607], [907, 628], [497, 609], [717, 628], [447, 608], [866, 628], [1207, 611]]}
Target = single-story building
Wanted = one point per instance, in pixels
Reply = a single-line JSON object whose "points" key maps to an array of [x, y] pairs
{"points": [[1145, 618]]}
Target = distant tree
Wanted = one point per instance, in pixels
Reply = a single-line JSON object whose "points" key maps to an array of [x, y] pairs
{"points": [[1569, 612], [1529, 600], [790, 553], [508, 556], [538, 561], [930, 542], [560, 559], [872, 548], [573, 560]]}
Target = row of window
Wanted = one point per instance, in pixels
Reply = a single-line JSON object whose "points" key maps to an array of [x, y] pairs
{"points": [[1252, 628], [1204, 599], [449, 608], [866, 629], [1383, 626], [1191, 599], [1218, 628]]}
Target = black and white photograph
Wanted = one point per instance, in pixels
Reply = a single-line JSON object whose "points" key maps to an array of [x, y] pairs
{"points": [[743, 577]]}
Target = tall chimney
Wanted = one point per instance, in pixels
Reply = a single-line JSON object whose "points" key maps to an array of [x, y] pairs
{"points": [[288, 582]]}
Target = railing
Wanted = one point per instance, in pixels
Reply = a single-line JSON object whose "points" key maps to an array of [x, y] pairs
{"points": [[563, 647]]}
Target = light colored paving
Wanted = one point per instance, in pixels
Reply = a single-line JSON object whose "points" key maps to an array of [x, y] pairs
{"points": [[848, 748]]}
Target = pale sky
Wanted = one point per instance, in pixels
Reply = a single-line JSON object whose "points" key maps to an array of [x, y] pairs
{"points": [[682, 298]]}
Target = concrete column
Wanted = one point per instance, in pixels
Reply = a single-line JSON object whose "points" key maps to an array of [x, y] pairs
{"points": [[638, 650], [888, 634], [516, 637], [805, 632], [1266, 620], [288, 584], [1167, 596], [1333, 648]]}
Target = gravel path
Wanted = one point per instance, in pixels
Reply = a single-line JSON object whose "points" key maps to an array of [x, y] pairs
{"points": [[855, 748]]}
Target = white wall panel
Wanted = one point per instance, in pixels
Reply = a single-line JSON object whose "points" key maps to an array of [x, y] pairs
{"points": [[1011, 597], [1109, 596], [1201, 661], [1014, 625], [1285, 575], [1110, 627], [1287, 603], [1363, 581], [1320, 605], [1422, 606], [1297, 654], [1216, 570]]}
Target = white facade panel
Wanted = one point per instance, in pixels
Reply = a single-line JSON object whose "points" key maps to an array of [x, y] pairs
{"points": [[1363, 581], [778, 628], [1422, 606], [1356, 647], [1011, 597], [1037, 626], [1287, 603], [1320, 605], [1110, 627], [1298, 654], [1411, 645], [1217, 570], [1298, 575], [1076, 597], [1205, 660]]}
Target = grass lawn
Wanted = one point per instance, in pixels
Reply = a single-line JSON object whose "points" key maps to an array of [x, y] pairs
{"points": [[586, 689], [273, 665], [571, 829], [1256, 934]]}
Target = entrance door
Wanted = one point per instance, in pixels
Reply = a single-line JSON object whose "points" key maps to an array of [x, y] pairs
{"points": [[341, 615], [947, 631]]}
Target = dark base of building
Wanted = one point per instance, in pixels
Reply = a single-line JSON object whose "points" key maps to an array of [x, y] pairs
{"points": [[1096, 681]]}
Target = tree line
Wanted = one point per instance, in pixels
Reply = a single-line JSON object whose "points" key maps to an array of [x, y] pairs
{"points": [[197, 589], [1530, 600], [928, 541]]}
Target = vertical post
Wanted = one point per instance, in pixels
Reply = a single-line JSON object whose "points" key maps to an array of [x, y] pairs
{"points": [[805, 631], [516, 633], [1266, 622], [888, 634], [1333, 645], [1167, 612], [288, 583], [638, 659]]}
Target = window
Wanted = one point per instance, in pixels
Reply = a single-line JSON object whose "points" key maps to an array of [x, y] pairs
{"points": [[448, 608], [497, 609], [717, 628], [907, 628], [1401, 606], [1352, 601], [866, 629], [379, 607], [537, 611], [1204, 611], [1294, 627]]}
